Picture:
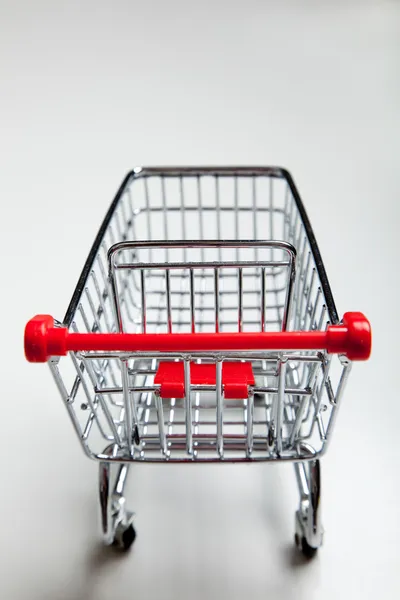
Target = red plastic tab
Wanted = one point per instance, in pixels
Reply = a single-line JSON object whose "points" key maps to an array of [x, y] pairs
{"points": [[236, 378]]}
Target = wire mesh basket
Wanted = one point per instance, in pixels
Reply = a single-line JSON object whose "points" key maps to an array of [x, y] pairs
{"points": [[203, 328]]}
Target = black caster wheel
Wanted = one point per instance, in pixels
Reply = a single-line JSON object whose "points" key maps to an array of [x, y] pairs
{"points": [[125, 537], [128, 537], [302, 544]]}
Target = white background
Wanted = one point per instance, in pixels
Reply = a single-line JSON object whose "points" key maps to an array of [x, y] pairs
{"points": [[87, 91]]}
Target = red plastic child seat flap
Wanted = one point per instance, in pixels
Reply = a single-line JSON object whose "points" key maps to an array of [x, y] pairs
{"points": [[236, 378]]}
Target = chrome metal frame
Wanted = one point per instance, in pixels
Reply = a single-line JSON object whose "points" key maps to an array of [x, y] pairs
{"points": [[269, 277]]}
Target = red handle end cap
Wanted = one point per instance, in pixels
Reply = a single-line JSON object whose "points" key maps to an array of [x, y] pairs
{"points": [[35, 339], [359, 336]]}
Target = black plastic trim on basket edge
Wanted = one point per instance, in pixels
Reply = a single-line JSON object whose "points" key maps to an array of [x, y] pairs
{"points": [[196, 171]]}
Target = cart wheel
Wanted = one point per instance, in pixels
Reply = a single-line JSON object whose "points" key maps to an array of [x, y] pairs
{"points": [[125, 536], [304, 547], [128, 537]]}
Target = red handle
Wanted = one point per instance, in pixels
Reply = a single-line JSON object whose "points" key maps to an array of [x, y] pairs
{"points": [[352, 338]]}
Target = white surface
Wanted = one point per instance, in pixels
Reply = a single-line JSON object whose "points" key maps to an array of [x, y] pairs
{"points": [[90, 89]]}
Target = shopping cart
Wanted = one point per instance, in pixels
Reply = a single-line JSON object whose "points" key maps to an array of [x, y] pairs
{"points": [[222, 346]]}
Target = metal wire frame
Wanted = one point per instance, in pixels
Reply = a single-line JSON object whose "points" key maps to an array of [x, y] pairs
{"points": [[231, 280], [112, 398]]}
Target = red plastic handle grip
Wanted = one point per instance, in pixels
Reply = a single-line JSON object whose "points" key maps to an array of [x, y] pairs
{"points": [[352, 338]]}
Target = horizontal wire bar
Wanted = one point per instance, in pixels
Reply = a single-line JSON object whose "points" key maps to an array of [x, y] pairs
{"points": [[200, 265], [210, 356], [177, 208], [203, 388], [205, 275]]}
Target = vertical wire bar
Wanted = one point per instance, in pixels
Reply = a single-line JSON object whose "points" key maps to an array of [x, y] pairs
{"points": [[118, 227], [200, 207], [192, 302], [147, 411], [171, 415], [96, 326], [308, 301], [317, 394], [302, 480], [303, 291], [303, 404], [128, 408], [197, 412], [168, 298], [127, 292], [183, 214], [101, 365], [281, 400], [279, 318], [271, 208], [103, 403], [274, 410], [124, 215], [165, 213], [102, 270], [320, 391], [218, 207], [339, 393], [182, 297], [299, 279], [299, 256], [188, 407], [297, 225], [286, 234], [249, 422], [240, 285], [118, 299], [201, 230], [121, 479], [291, 229], [111, 234], [157, 398], [161, 428], [254, 197], [290, 287], [216, 293], [148, 213], [220, 413], [262, 307], [84, 317], [236, 201], [202, 293], [321, 318], [271, 213], [303, 371], [314, 310], [102, 295], [130, 208], [93, 404], [302, 294], [267, 407], [64, 394], [143, 292]]}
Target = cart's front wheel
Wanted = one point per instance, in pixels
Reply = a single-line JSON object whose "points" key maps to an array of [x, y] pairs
{"points": [[117, 521], [125, 536], [302, 544], [308, 528]]}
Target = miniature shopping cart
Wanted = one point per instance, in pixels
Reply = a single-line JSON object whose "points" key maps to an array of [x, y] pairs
{"points": [[203, 329]]}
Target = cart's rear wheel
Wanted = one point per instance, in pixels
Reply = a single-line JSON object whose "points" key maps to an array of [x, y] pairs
{"points": [[308, 528], [304, 547], [125, 536]]}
